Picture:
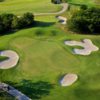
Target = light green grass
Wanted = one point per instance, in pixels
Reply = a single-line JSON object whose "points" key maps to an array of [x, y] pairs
{"points": [[22, 6], [46, 58]]}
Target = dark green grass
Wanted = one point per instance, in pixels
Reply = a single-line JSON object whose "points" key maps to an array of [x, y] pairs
{"points": [[81, 2], [21, 6]]}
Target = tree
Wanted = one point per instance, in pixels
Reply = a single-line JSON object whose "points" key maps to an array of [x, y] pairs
{"points": [[26, 20], [15, 22], [7, 21], [86, 20], [1, 25]]}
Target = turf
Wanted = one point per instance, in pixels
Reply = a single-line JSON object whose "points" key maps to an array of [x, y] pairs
{"points": [[86, 2], [22, 6], [44, 59]]}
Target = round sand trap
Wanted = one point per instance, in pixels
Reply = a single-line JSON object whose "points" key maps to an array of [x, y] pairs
{"points": [[62, 20], [87, 45], [11, 61], [68, 79]]}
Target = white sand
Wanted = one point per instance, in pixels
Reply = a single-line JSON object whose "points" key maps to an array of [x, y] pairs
{"points": [[11, 61], [68, 79], [62, 20], [87, 45]]}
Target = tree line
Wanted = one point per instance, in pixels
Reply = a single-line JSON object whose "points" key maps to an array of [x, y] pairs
{"points": [[9, 22], [85, 20]]}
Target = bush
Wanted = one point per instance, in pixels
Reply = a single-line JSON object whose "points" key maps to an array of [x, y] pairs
{"points": [[86, 20], [28, 18]]}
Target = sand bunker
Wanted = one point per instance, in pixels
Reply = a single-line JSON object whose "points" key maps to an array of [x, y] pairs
{"points": [[11, 61], [87, 45], [68, 79], [12, 91], [62, 20]]}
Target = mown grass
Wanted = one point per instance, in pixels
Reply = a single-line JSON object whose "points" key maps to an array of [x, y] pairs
{"points": [[21, 6], [44, 59]]}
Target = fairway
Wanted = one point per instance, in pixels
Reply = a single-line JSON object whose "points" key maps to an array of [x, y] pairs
{"points": [[44, 58], [21, 6]]}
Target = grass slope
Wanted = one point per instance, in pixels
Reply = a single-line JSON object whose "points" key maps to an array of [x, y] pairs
{"points": [[22, 6]]}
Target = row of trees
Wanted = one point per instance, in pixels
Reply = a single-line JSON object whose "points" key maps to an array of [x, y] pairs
{"points": [[9, 22], [86, 20]]}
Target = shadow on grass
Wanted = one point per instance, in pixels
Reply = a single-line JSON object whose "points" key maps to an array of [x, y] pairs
{"points": [[35, 24], [33, 90], [43, 24]]}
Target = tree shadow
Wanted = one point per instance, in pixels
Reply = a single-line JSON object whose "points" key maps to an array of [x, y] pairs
{"points": [[43, 24], [33, 90], [35, 24]]}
